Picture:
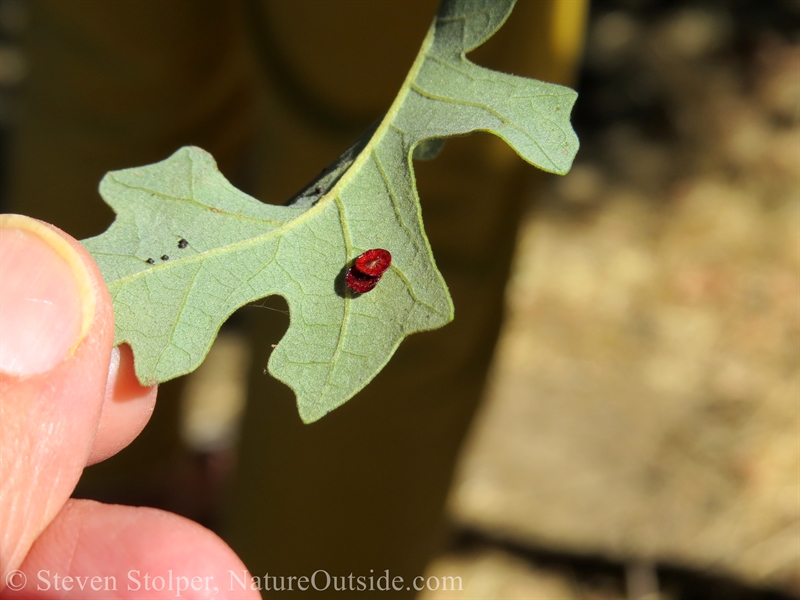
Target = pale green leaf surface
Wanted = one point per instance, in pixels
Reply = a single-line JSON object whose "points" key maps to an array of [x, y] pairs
{"points": [[241, 249]]}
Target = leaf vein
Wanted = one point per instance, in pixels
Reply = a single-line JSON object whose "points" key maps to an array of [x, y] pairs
{"points": [[506, 122], [177, 320], [346, 312], [392, 197], [214, 209]]}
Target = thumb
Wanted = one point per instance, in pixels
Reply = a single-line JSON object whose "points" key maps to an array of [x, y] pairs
{"points": [[56, 335]]}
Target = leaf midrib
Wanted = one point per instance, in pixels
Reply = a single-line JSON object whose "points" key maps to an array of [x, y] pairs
{"points": [[233, 247], [332, 195]]}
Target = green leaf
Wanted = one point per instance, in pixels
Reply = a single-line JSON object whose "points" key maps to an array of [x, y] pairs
{"points": [[240, 249]]}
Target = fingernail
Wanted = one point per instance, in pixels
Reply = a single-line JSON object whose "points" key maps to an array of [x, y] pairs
{"points": [[113, 372], [46, 297]]}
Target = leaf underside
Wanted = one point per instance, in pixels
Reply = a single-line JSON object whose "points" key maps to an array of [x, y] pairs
{"points": [[239, 249]]}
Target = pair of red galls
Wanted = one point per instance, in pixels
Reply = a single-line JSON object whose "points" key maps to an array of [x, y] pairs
{"points": [[368, 269]]}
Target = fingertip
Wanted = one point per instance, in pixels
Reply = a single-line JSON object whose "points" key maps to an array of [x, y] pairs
{"points": [[48, 301], [134, 552], [127, 407], [57, 333]]}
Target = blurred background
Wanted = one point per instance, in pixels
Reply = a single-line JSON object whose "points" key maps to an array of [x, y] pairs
{"points": [[643, 412], [636, 430]]}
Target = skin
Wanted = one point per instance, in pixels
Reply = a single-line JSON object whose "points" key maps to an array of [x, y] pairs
{"points": [[69, 399]]}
